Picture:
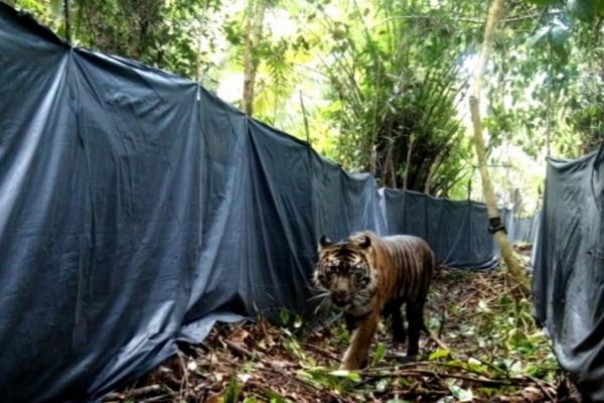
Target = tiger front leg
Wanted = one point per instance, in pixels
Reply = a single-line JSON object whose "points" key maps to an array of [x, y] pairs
{"points": [[358, 351]]}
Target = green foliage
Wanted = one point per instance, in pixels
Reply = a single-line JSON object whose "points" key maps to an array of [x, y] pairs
{"points": [[323, 378], [461, 395], [384, 84], [395, 85], [551, 67], [49, 12], [290, 321], [509, 332], [556, 36], [173, 35], [292, 346], [543, 2], [502, 339], [439, 353], [274, 397], [232, 392], [379, 353], [586, 10]]}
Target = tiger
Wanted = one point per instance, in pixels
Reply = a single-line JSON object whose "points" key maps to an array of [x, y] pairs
{"points": [[365, 277]]}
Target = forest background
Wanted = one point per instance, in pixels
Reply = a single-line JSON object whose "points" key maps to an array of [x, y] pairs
{"points": [[379, 86]]}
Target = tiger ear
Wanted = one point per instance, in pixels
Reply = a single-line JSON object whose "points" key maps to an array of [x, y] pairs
{"points": [[324, 242], [365, 242]]}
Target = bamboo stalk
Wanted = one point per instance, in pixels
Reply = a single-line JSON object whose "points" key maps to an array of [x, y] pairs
{"points": [[515, 270]]}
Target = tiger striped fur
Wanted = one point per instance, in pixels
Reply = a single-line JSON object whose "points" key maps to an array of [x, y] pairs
{"points": [[367, 276]]}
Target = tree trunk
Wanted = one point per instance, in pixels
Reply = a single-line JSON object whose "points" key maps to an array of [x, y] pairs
{"points": [[253, 35], [67, 22], [515, 270], [305, 117], [390, 162], [374, 155], [408, 161], [432, 171]]}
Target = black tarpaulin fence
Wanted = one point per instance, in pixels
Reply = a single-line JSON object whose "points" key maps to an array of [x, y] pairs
{"points": [[137, 209], [520, 229], [525, 229], [454, 229], [568, 282]]}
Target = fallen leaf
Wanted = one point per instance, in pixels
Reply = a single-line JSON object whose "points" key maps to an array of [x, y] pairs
{"points": [[217, 398], [238, 336]]}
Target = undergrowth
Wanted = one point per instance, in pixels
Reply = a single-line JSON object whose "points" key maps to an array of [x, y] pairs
{"points": [[485, 347]]}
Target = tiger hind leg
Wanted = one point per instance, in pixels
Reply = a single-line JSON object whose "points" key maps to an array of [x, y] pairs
{"points": [[399, 334], [415, 317]]}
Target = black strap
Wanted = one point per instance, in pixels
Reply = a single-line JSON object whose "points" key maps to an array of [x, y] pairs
{"points": [[495, 225]]}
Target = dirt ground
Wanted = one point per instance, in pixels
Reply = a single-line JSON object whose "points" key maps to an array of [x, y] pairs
{"points": [[484, 347]]}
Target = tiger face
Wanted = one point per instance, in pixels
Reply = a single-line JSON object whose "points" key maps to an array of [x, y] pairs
{"points": [[344, 273]]}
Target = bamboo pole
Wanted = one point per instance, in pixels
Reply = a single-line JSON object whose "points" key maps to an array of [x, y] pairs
{"points": [[515, 271]]}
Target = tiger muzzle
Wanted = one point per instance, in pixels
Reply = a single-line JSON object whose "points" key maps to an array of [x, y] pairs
{"points": [[340, 298]]}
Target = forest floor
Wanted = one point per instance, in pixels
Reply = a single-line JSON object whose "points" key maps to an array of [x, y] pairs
{"points": [[485, 348]]}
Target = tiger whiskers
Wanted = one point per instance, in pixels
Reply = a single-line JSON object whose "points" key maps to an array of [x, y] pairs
{"points": [[322, 295], [324, 304], [364, 297]]}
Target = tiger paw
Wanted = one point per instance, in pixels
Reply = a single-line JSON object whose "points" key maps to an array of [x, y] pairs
{"points": [[405, 360], [350, 366], [350, 363]]}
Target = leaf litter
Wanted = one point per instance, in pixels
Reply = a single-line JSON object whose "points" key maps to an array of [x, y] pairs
{"points": [[484, 347]]}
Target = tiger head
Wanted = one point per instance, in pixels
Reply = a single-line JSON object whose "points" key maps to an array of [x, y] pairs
{"points": [[344, 272]]}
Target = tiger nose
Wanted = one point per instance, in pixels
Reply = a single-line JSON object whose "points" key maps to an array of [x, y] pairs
{"points": [[339, 295]]}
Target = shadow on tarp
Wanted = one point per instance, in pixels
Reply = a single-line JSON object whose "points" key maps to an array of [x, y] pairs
{"points": [[137, 209]]}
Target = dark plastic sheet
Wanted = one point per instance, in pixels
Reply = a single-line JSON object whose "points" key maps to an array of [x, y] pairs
{"points": [[456, 230], [568, 282], [137, 210], [520, 229], [525, 229]]}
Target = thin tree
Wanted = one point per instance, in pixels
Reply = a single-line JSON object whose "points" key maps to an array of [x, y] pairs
{"points": [[67, 21], [515, 270], [253, 36]]}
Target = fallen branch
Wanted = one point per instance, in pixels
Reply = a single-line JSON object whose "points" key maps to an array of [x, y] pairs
{"points": [[321, 351], [413, 392], [484, 381], [412, 367], [160, 398], [493, 367], [185, 386], [145, 390], [438, 341], [239, 349], [545, 387]]}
